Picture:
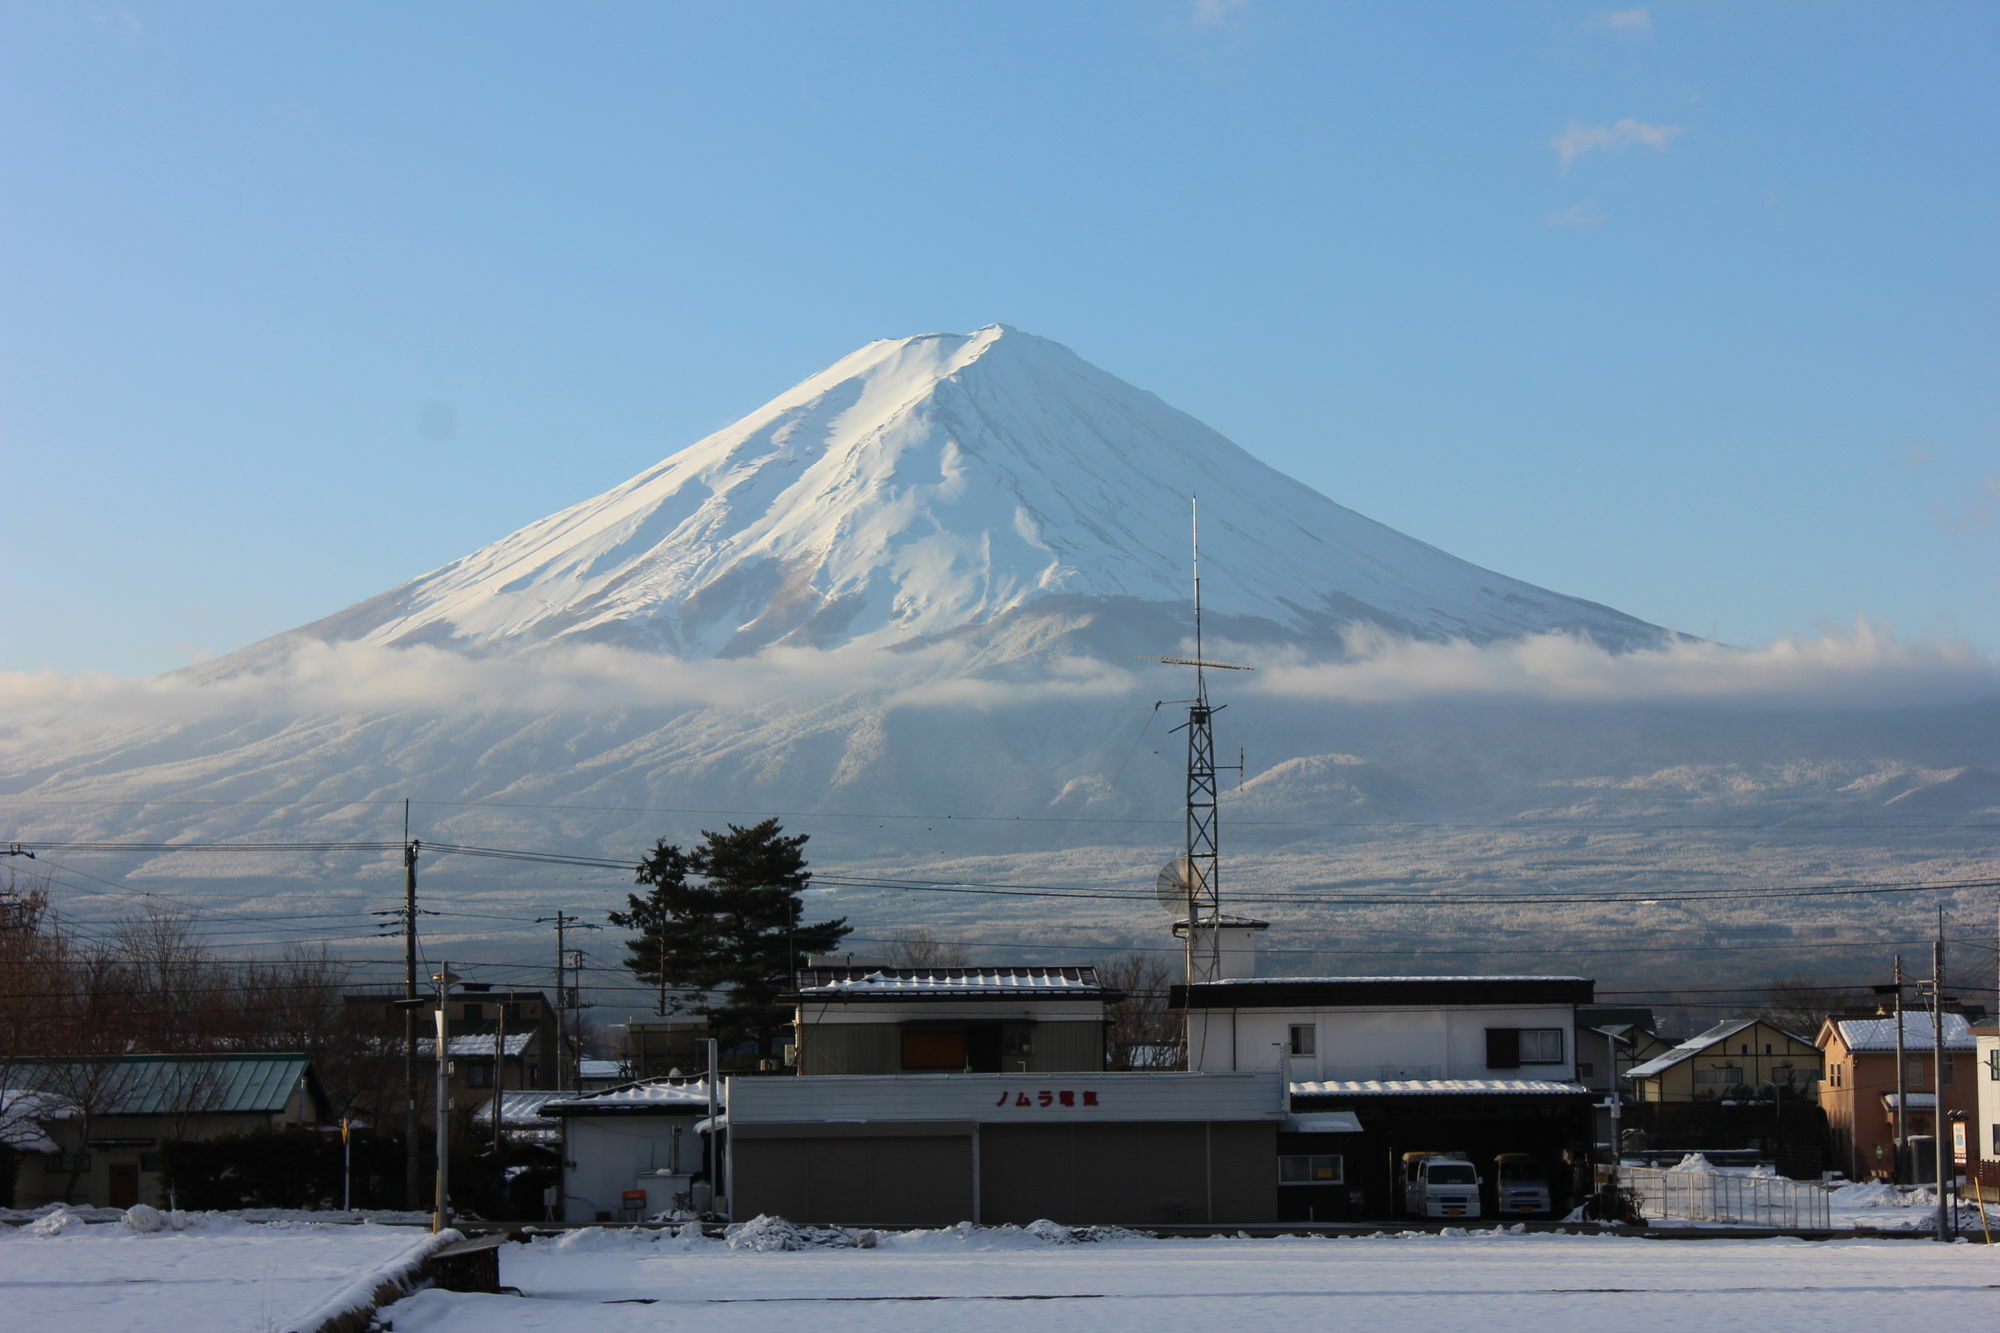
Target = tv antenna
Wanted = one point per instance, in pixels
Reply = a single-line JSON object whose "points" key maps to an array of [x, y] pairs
{"points": [[1191, 883]]}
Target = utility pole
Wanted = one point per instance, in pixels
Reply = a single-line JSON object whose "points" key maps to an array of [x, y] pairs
{"points": [[412, 1122], [1937, 1073], [500, 1082], [441, 1209], [564, 923], [1902, 1167]]}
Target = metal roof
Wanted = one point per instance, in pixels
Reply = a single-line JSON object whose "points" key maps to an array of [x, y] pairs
{"points": [[657, 1095], [1441, 1087], [171, 1084], [1378, 992], [1879, 1034], [1694, 1046], [940, 983]]}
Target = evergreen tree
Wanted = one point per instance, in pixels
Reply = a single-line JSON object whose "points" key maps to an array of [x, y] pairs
{"points": [[723, 920]]}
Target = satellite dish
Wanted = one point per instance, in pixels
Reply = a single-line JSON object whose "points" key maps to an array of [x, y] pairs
{"points": [[1175, 887]]}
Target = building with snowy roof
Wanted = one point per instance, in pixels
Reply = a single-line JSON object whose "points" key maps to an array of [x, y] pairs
{"points": [[633, 1151], [1859, 1092], [1378, 1067], [118, 1111], [967, 1020]]}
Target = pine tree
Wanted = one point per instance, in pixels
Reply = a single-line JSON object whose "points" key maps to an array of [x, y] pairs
{"points": [[722, 920]]}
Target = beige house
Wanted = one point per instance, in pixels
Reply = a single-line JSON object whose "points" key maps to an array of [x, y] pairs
{"points": [[1859, 1095], [102, 1146], [1737, 1053]]}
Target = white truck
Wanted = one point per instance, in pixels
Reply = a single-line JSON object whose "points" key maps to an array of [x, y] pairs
{"points": [[1520, 1185], [1440, 1184]]}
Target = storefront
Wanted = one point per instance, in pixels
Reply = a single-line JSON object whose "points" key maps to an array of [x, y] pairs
{"points": [[932, 1150]]}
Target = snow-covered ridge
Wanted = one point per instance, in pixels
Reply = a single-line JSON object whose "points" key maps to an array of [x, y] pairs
{"points": [[922, 485]]}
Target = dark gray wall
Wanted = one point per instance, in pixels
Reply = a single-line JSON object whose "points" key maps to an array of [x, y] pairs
{"points": [[892, 1175], [1129, 1173], [876, 1048], [920, 1174]]}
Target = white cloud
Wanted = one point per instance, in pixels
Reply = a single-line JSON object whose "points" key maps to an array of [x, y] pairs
{"points": [[1585, 214], [1866, 666], [1637, 21], [353, 677], [1975, 509], [1215, 13], [1579, 139]]}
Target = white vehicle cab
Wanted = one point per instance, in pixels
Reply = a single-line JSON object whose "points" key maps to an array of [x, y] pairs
{"points": [[1440, 1184]]}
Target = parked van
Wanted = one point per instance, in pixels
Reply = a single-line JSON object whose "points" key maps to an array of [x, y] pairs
{"points": [[1440, 1184], [1520, 1186]]}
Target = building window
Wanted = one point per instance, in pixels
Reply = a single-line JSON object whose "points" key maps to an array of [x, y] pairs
{"points": [[933, 1050], [1719, 1076], [1996, 1140], [1305, 1039], [1318, 1169], [1584, 1069], [479, 1076], [1541, 1046], [474, 1013], [1993, 1064], [1784, 1075], [1833, 1074]]}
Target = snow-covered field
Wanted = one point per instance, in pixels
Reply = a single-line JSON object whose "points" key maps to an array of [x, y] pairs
{"points": [[1004, 1279], [216, 1273]]}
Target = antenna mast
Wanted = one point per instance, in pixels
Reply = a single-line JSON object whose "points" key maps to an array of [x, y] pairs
{"points": [[1201, 947]]}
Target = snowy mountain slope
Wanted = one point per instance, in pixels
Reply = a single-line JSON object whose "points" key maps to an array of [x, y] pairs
{"points": [[924, 485]]}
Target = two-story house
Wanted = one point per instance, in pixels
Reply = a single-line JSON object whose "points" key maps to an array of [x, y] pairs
{"points": [[1858, 1091], [1733, 1055], [1376, 1067], [935, 1095]]}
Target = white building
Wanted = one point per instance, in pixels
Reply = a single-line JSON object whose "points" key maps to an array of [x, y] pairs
{"points": [[1376, 1067]]}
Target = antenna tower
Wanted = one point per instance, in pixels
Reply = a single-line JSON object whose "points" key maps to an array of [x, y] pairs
{"points": [[1201, 879]]}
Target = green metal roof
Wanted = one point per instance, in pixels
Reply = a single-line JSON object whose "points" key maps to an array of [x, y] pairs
{"points": [[169, 1084]]}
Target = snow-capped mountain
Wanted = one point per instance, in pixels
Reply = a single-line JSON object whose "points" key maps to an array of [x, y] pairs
{"points": [[921, 486], [899, 606]]}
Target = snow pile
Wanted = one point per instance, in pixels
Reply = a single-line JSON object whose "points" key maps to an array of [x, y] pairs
{"points": [[55, 1221], [624, 1240], [142, 1218], [1694, 1164]]}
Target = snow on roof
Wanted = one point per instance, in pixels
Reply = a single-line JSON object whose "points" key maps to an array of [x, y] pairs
{"points": [[935, 982], [655, 1094], [1879, 1034], [1693, 1046], [481, 1044], [600, 1069], [519, 1108], [1919, 1101], [1338, 981], [1439, 1087]]}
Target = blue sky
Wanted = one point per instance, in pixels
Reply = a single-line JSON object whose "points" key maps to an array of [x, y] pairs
{"points": [[1689, 308]]}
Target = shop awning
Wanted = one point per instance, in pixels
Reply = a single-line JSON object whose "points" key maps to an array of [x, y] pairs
{"points": [[1323, 1122]]}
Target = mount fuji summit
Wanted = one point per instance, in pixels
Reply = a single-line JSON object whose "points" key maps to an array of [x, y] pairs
{"points": [[930, 487]]}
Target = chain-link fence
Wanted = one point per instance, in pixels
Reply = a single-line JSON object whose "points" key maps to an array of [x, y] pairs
{"points": [[1717, 1196]]}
